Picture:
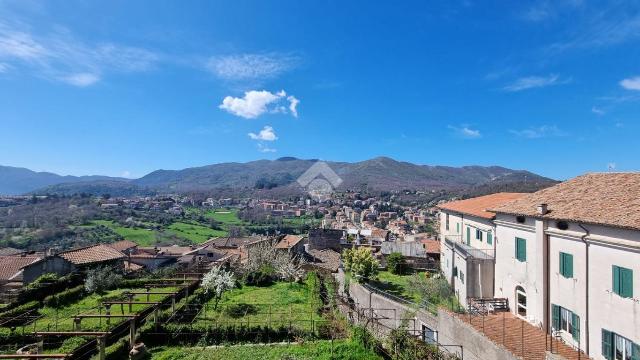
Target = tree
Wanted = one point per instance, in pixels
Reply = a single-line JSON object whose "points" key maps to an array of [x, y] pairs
{"points": [[361, 263], [432, 289], [218, 281], [100, 279], [396, 263], [288, 267]]}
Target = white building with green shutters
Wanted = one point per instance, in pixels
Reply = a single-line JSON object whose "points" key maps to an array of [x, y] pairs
{"points": [[568, 260]]}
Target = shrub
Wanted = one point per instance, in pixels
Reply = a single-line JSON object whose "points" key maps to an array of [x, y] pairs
{"points": [[118, 350], [261, 277], [101, 279], [239, 310], [396, 263], [362, 336], [70, 344], [65, 297], [16, 311], [361, 263]]}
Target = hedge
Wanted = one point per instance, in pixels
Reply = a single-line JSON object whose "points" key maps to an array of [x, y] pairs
{"points": [[19, 310], [65, 297], [42, 287]]}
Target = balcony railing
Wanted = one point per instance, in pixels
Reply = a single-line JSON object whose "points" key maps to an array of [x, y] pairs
{"points": [[468, 251]]}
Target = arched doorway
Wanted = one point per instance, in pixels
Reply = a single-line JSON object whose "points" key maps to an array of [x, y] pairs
{"points": [[521, 302]]}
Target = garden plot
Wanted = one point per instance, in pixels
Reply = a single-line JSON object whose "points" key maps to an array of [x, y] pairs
{"points": [[281, 304]]}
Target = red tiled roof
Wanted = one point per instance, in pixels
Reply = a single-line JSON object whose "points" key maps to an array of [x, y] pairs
{"points": [[610, 199], [431, 246], [478, 206], [92, 254], [289, 241], [11, 265], [123, 245]]}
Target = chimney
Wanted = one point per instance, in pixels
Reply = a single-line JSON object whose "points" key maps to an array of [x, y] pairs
{"points": [[542, 209]]}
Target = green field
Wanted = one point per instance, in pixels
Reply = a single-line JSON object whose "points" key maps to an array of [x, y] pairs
{"points": [[323, 350], [142, 237], [194, 232], [271, 305], [396, 285], [226, 217]]}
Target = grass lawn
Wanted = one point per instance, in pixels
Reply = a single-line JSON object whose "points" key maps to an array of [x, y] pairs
{"points": [[323, 350], [194, 232], [226, 217], [396, 285], [282, 300], [142, 237]]}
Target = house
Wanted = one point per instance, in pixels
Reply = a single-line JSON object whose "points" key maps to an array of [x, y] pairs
{"points": [[12, 267], [467, 243], [124, 246], [325, 259], [568, 260], [325, 239], [294, 244], [96, 255]]}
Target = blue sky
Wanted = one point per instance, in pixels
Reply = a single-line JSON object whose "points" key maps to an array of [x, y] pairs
{"points": [[126, 87]]}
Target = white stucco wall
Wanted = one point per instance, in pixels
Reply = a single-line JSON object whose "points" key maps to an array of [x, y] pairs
{"points": [[510, 272]]}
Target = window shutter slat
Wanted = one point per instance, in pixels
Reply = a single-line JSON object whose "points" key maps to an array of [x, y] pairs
{"points": [[561, 260], [568, 266], [489, 238], [555, 311], [607, 348], [575, 321], [616, 279], [626, 282]]}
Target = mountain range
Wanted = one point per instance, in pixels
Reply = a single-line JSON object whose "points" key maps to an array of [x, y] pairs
{"points": [[378, 174]]}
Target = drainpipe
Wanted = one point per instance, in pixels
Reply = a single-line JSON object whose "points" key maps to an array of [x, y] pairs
{"points": [[586, 288]]}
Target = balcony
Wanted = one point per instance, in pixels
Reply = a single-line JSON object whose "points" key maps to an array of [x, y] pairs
{"points": [[456, 243]]}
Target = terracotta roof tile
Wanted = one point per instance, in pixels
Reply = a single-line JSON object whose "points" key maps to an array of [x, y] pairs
{"points": [[11, 265], [326, 258], [123, 245], [91, 254], [478, 206], [431, 246], [289, 241], [611, 199]]}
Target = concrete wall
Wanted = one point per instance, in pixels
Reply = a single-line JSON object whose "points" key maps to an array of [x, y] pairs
{"points": [[53, 264], [450, 330]]}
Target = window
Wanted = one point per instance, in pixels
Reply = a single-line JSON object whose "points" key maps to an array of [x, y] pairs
{"points": [[455, 271], [521, 300], [478, 234], [521, 249], [461, 277], [566, 320], [446, 222], [428, 335], [489, 238], [566, 265], [468, 235], [616, 347], [457, 228], [622, 281]]}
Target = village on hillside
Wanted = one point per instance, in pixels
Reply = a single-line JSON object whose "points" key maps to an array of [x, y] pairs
{"points": [[500, 276]]}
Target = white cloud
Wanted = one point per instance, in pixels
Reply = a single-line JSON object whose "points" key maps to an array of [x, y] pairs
{"points": [[265, 149], [58, 56], [255, 103], [240, 67], [538, 132], [531, 82], [597, 110], [4, 67], [464, 131], [293, 104], [266, 134], [126, 174], [81, 79], [631, 83]]}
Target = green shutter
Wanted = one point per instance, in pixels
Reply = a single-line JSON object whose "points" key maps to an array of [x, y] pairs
{"points": [[626, 282], [635, 352], [575, 321], [616, 279], [457, 228], [489, 238], [468, 235], [521, 249], [566, 265], [555, 311], [607, 342]]}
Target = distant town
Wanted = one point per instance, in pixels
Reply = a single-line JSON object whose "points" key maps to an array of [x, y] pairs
{"points": [[548, 274]]}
